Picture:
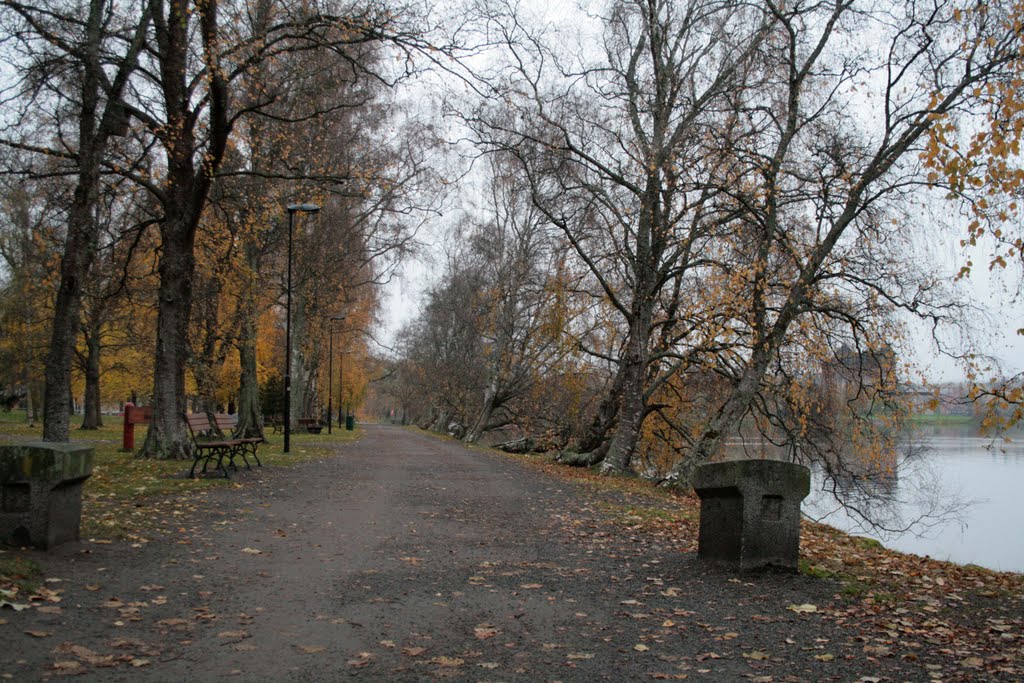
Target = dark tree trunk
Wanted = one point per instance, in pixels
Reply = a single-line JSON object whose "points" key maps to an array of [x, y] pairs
{"points": [[94, 129], [607, 411], [167, 437], [633, 403], [80, 242], [30, 407], [250, 423], [92, 413], [479, 425], [186, 193]]}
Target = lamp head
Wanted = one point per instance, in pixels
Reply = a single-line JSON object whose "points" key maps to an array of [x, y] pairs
{"points": [[304, 208]]}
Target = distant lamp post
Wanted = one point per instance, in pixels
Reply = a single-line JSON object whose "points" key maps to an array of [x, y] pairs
{"points": [[330, 372], [292, 210]]}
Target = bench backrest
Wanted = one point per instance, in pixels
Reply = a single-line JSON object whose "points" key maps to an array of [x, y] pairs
{"points": [[199, 425], [225, 423]]}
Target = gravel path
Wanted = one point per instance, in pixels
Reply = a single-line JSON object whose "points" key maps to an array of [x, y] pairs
{"points": [[412, 558]]}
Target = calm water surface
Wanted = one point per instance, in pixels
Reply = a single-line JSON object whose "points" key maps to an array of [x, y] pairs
{"points": [[958, 465]]}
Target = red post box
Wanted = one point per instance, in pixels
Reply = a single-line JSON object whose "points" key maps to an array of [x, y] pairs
{"points": [[134, 415]]}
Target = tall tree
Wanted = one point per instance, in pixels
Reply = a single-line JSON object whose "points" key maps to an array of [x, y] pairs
{"points": [[197, 55], [78, 66], [615, 150], [975, 161], [823, 186]]}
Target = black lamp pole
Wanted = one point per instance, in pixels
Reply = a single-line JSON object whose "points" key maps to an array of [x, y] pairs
{"points": [[292, 210], [330, 373]]}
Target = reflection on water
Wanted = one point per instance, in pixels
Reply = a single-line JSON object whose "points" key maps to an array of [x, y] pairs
{"points": [[957, 466]]}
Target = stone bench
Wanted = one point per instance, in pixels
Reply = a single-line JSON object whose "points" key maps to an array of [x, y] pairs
{"points": [[750, 512], [41, 492]]}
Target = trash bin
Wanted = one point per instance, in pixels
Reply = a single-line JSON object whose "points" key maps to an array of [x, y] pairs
{"points": [[350, 422]]}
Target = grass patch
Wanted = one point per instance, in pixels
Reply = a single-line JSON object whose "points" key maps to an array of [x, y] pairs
{"points": [[806, 568], [855, 590], [929, 419], [20, 575], [126, 496], [865, 543]]}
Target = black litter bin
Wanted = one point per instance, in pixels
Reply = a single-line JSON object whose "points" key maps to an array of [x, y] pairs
{"points": [[350, 422]]}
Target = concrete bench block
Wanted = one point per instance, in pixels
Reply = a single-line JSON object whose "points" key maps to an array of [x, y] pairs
{"points": [[41, 492], [750, 512]]}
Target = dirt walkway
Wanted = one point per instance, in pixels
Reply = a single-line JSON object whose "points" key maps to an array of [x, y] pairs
{"points": [[410, 558]]}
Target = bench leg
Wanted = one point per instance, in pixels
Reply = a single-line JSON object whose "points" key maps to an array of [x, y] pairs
{"points": [[256, 457], [206, 455], [241, 451], [220, 462]]}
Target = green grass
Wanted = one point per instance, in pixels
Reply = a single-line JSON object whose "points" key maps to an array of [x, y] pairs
{"points": [[814, 570], [19, 574], [123, 489], [931, 419], [865, 543]]}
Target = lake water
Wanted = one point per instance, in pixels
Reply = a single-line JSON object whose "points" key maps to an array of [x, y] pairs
{"points": [[958, 466]]}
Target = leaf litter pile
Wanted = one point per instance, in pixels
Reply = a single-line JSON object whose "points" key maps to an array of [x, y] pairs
{"points": [[964, 623]]}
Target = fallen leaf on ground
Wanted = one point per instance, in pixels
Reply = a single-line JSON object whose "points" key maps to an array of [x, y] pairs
{"points": [[233, 634], [640, 647], [38, 634], [532, 586], [447, 661], [16, 606], [756, 654], [485, 632], [414, 651], [805, 608], [579, 655], [825, 657], [310, 649], [252, 551]]}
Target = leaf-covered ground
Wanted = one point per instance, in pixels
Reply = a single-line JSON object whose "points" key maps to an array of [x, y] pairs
{"points": [[411, 558]]}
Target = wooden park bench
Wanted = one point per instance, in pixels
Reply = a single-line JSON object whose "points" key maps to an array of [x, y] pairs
{"points": [[274, 422], [226, 424], [310, 424], [208, 444]]}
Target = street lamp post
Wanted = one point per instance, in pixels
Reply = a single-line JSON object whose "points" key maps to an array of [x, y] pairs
{"points": [[330, 373], [292, 210]]}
